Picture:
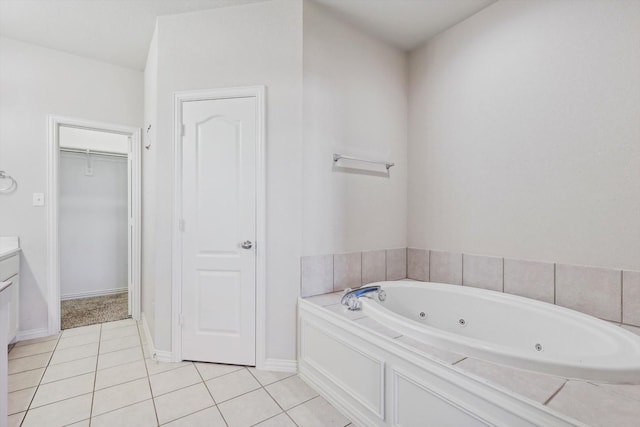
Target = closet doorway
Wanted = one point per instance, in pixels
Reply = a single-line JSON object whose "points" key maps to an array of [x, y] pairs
{"points": [[94, 223]]}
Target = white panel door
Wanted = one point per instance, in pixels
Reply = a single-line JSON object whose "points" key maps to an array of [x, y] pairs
{"points": [[219, 215]]}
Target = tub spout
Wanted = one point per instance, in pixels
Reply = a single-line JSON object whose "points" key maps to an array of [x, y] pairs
{"points": [[351, 296]]}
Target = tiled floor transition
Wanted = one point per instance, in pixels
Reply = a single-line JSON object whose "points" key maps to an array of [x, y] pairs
{"points": [[102, 375]]}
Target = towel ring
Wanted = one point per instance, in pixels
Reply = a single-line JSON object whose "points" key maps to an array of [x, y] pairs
{"points": [[11, 186]]}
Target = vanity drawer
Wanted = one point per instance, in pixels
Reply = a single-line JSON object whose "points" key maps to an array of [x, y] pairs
{"points": [[9, 267]]}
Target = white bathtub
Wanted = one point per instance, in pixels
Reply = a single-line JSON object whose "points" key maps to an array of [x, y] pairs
{"points": [[511, 330]]}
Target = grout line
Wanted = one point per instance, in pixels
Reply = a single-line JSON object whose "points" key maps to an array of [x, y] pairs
{"points": [[307, 401], [91, 330], [361, 274], [555, 394], [116, 385], [333, 272], [146, 368], [231, 398], [72, 360], [162, 372], [209, 391], [42, 340], [219, 376], [406, 263], [461, 360], [32, 369], [30, 386], [385, 265], [554, 284], [502, 274], [113, 410], [26, 412], [79, 345], [272, 417], [621, 296], [278, 403], [265, 389], [35, 354], [121, 349], [55, 403], [124, 325], [196, 412], [95, 376]]}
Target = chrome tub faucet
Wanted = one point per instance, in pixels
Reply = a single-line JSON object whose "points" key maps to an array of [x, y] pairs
{"points": [[351, 296]]}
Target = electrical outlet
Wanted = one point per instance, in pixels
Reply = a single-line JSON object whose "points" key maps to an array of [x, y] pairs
{"points": [[38, 199]]}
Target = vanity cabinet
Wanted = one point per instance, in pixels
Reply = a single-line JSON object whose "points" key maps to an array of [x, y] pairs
{"points": [[10, 272]]}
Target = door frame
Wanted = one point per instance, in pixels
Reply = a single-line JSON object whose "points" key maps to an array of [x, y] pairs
{"points": [[53, 193], [257, 92]]}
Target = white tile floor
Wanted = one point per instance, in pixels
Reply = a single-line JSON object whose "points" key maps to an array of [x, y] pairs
{"points": [[101, 375]]}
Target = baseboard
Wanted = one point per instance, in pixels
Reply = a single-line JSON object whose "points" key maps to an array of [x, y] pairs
{"points": [[31, 334], [159, 355], [280, 365], [94, 293]]}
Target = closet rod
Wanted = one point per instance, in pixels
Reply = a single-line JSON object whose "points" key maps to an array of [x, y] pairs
{"points": [[102, 153]]}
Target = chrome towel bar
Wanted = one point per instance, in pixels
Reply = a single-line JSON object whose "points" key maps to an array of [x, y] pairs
{"points": [[337, 157]]}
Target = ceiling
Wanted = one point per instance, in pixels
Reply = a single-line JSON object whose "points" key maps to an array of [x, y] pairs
{"points": [[115, 31], [406, 23], [119, 31]]}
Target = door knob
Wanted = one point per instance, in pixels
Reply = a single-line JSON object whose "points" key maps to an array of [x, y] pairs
{"points": [[247, 244]]}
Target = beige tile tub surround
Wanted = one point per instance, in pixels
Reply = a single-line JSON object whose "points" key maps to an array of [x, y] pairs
{"points": [[591, 290], [322, 274], [631, 297], [347, 270], [445, 267], [482, 272], [609, 294], [418, 264], [530, 279], [374, 266], [316, 275], [396, 264]]}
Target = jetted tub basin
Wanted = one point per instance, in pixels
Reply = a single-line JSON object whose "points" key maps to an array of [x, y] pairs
{"points": [[510, 330]]}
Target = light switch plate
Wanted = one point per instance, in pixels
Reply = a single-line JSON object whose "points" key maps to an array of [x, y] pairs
{"points": [[38, 199]]}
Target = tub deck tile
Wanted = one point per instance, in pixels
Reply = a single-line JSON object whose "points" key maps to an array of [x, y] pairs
{"points": [[535, 386], [596, 406], [342, 311], [631, 391], [369, 323], [443, 355], [326, 299]]}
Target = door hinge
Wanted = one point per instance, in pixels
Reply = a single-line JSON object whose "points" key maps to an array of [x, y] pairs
{"points": [[180, 319], [181, 224], [183, 129]]}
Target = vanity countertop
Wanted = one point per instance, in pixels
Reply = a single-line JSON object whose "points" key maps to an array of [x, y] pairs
{"points": [[9, 245]]}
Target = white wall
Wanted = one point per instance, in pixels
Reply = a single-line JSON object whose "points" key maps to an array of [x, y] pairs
{"points": [[524, 134], [148, 253], [93, 225], [257, 44], [89, 139], [355, 102], [35, 82]]}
